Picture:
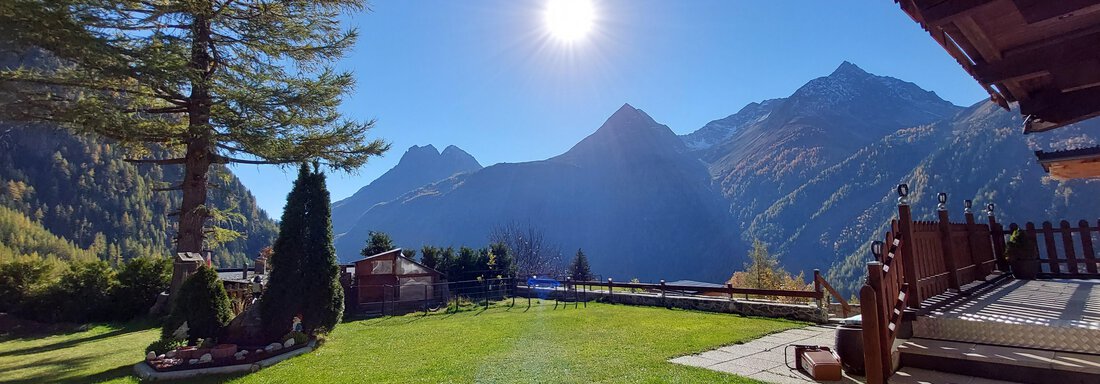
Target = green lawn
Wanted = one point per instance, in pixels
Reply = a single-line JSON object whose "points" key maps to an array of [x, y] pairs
{"points": [[601, 343]]}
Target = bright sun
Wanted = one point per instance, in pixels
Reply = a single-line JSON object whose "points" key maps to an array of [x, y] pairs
{"points": [[569, 20]]}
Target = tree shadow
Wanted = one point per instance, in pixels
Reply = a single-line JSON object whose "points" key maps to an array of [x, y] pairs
{"points": [[66, 343]]}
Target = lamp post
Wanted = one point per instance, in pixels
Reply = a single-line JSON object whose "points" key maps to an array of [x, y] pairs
{"points": [[876, 250], [967, 205], [903, 194], [942, 198]]}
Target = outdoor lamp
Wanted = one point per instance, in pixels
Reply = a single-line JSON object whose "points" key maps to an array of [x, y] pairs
{"points": [[989, 209], [903, 194], [942, 197], [876, 249], [967, 204]]}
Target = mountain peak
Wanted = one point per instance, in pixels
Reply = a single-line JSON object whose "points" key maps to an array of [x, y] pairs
{"points": [[627, 115], [456, 155], [418, 150], [847, 68]]}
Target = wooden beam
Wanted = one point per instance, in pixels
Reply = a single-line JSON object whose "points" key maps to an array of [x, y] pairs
{"points": [[1035, 11], [1060, 108], [1026, 63], [941, 12], [978, 39]]}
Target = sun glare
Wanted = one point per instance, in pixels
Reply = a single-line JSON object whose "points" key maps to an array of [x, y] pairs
{"points": [[569, 20]]}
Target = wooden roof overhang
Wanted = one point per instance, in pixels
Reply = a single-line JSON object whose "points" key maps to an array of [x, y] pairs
{"points": [[1071, 164], [1042, 54]]}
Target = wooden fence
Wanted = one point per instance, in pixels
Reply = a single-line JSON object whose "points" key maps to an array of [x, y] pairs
{"points": [[941, 255], [1065, 251], [728, 290], [921, 259], [882, 301]]}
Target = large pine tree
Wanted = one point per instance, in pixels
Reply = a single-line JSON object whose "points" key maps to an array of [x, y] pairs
{"points": [[207, 79], [304, 276]]}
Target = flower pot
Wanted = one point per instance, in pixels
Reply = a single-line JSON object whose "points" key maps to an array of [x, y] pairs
{"points": [[849, 348], [223, 351], [1025, 269]]}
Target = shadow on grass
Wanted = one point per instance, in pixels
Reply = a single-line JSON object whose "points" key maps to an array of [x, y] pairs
{"points": [[124, 329], [61, 370]]}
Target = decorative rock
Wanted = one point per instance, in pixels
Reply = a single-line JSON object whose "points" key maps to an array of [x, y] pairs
{"points": [[269, 348], [170, 354], [259, 351], [151, 355], [193, 361], [206, 358], [288, 343]]}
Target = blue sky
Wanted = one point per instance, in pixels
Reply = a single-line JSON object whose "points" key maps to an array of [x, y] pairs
{"points": [[485, 75]]}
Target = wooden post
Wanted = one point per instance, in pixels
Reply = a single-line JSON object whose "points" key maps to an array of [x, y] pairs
{"points": [[663, 300], [971, 230], [730, 287], [997, 235], [948, 250], [610, 294], [817, 288], [872, 353], [425, 299], [908, 261]]}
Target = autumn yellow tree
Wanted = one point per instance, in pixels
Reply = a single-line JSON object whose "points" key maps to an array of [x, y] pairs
{"points": [[763, 271]]}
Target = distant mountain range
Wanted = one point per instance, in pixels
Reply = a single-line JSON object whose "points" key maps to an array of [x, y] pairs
{"points": [[630, 192], [419, 166], [810, 174]]}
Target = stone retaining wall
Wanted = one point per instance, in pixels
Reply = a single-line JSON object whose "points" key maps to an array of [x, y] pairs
{"points": [[801, 312]]}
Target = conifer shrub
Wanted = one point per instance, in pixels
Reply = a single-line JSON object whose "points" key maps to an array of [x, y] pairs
{"points": [[203, 304]]}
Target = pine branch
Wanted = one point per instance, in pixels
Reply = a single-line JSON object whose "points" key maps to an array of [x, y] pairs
{"points": [[172, 188], [180, 160]]}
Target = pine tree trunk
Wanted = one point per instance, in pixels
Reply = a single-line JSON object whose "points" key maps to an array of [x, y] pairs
{"points": [[199, 155], [193, 211]]}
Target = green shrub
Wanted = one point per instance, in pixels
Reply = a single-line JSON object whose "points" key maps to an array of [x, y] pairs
{"points": [[86, 289], [22, 279], [1021, 246], [164, 345], [203, 304], [140, 281]]}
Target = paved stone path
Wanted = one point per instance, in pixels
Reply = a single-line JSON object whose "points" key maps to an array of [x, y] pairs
{"points": [[763, 359]]}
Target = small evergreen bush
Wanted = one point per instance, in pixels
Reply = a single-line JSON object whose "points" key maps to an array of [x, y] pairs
{"points": [[203, 304]]}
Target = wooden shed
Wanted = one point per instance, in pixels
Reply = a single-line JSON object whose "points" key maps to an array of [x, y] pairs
{"points": [[391, 277]]}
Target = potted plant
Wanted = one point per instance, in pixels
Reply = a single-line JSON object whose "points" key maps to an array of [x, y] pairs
{"points": [[1023, 254]]}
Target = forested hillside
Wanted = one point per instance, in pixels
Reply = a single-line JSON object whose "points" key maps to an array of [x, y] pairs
{"points": [[21, 236], [80, 188]]}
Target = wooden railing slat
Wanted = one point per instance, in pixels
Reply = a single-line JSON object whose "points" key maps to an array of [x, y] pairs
{"points": [[1067, 246], [1052, 251], [1086, 246]]}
